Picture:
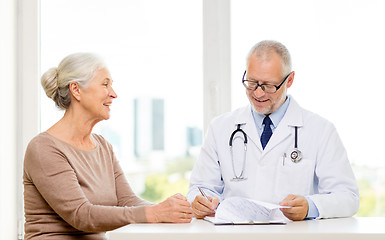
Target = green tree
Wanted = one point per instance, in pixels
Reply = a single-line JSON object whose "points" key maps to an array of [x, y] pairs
{"points": [[368, 199], [160, 186]]}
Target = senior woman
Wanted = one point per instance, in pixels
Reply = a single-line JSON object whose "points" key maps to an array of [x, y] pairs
{"points": [[74, 187]]}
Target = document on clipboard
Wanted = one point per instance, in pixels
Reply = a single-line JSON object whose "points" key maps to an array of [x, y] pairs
{"points": [[244, 211]]}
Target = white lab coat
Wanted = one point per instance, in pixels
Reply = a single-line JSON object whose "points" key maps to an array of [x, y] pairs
{"points": [[324, 173]]}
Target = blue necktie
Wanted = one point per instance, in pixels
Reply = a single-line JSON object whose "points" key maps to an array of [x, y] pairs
{"points": [[266, 132]]}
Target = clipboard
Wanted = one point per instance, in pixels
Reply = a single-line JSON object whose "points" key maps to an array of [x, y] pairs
{"points": [[212, 220]]}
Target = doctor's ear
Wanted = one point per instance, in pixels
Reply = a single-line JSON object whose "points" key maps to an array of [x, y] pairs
{"points": [[290, 79], [75, 90]]}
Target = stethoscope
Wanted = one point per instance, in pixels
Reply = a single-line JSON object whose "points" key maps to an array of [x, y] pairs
{"points": [[240, 177], [296, 154]]}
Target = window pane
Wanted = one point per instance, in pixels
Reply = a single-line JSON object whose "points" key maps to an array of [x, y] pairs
{"points": [[153, 50], [337, 50]]}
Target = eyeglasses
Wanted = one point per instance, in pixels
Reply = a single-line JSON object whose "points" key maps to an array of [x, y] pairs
{"points": [[267, 88]]}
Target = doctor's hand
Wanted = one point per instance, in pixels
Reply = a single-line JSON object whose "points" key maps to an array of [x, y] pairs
{"points": [[299, 207], [175, 209], [203, 207]]}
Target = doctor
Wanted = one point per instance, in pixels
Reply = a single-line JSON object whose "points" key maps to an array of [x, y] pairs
{"points": [[279, 153]]}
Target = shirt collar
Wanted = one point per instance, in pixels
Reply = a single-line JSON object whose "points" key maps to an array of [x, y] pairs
{"points": [[275, 117]]}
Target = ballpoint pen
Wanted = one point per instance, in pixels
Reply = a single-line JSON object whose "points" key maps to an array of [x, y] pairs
{"points": [[203, 193]]}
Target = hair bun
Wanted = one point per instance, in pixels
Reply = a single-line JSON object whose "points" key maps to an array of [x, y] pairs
{"points": [[49, 82], [76, 67]]}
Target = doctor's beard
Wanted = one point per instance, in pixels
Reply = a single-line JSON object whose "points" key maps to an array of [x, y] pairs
{"points": [[272, 107]]}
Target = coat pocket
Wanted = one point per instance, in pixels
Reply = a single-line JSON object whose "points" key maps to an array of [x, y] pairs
{"points": [[294, 178]]}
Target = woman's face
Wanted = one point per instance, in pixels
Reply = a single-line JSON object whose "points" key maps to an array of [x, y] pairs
{"points": [[96, 98]]}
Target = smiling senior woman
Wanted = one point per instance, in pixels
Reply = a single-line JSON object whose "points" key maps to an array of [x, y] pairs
{"points": [[73, 184]]}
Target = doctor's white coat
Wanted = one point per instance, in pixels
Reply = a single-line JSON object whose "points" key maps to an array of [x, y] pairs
{"points": [[324, 174]]}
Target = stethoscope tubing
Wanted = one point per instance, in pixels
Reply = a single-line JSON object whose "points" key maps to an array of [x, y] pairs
{"points": [[295, 152], [240, 177], [238, 130]]}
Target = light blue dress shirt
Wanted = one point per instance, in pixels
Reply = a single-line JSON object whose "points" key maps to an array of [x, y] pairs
{"points": [[276, 117]]}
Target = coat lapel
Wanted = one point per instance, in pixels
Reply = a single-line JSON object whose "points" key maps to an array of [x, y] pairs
{"points": [[292, 117]]}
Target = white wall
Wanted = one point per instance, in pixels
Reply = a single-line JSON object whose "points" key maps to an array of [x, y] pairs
{"points": [[8, 163], [19, 118]]}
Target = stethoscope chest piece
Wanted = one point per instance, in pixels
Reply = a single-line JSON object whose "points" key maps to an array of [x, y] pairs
{"points": [[296, 155]]}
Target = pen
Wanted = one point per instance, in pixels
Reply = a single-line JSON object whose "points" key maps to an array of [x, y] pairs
{"points": [[203, 193]]}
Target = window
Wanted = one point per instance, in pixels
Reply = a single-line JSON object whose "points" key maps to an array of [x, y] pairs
{"points": [[153, 50], [337, 51]]}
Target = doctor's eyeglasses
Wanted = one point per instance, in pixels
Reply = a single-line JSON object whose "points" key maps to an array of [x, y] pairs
{"points": [[267, 88]]}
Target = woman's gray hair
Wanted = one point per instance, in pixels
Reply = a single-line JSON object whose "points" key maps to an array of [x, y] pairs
{"points": [[77, 67], [266, 47]]}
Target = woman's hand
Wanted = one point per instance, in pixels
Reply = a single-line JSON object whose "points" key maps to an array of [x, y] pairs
{"points": [[175, 209]]}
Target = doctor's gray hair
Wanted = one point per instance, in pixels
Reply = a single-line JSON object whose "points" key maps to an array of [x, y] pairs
{"points": [[265, 47], [77, 67]]}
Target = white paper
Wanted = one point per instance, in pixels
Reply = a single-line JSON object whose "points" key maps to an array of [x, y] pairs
{"points": [[238, 210]]}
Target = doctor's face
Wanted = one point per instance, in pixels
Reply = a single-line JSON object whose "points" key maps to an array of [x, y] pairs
{"points": [[267, 69]]}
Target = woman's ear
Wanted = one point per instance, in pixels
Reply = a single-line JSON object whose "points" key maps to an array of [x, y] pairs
{"points": [[75, 90]]}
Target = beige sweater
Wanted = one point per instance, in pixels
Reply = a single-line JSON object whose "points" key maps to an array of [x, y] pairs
{"points": [[75, 194]]}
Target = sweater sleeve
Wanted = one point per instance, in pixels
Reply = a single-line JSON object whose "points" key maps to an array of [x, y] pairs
{"points": [[50, 171]]}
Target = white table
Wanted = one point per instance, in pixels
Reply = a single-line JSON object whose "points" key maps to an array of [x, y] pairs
{"points": [[342, 228]]}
